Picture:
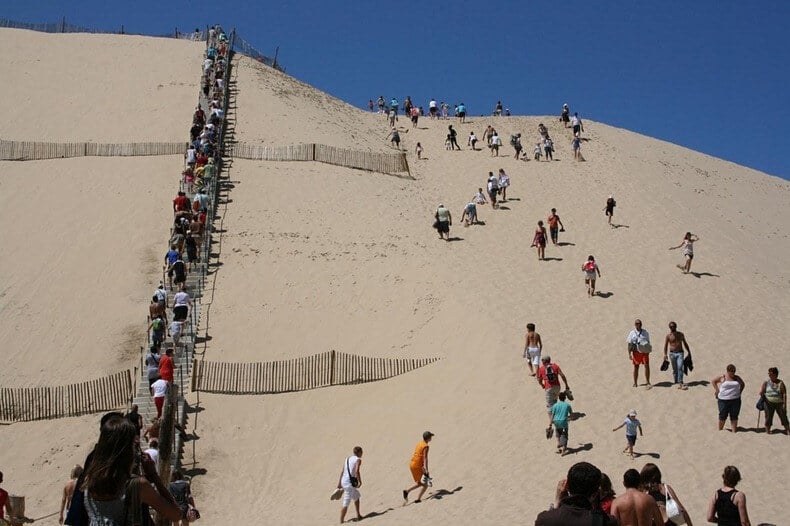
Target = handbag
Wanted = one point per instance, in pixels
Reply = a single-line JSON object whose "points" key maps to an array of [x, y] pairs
{"points": [[354, 480], [665, 365], [192, 514], [674, 513], [761, 403]]}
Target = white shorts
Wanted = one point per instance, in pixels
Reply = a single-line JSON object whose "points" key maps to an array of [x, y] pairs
{"points": [[350, 494], [533, 355], [589, 276]]}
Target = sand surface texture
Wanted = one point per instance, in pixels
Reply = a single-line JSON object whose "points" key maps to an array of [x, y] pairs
{"points": [[316, 257]]}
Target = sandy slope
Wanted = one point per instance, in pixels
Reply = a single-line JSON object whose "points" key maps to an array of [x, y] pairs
{"points": [[100, 88], [317, 257]]}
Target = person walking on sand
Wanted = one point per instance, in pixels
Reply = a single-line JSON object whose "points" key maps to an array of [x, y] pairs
{"points": [[590, 269], [639, 349], [609, 209], [443, 222], [493, 189], [688, 251], [576, 145], [453, 136], [504, 182], [555, 224], [727, 507], [419, 468], [394, 137], [472, 141], [548, 148], [350, 480], [418, 150], [533, 346], [548, 377], [631, 425], [496, 142], [635, 508], [539, 240], [728, 389], [775, 393], [577, 124], [675, 342], [559, 415]]}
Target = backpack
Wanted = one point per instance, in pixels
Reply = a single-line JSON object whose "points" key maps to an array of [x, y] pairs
{"points": [[551, 374], [158, 324], [512, 140], [589, 266]]}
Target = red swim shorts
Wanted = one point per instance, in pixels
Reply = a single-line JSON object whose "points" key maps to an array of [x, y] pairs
{"points": [[639, 358]]}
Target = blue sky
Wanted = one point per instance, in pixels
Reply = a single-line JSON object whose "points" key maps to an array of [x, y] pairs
{"points": [[708, 75]]}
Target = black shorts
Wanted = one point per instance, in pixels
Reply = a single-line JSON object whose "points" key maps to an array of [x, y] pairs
{"points": [[432, 110], [577, 129], [462, 114], [180, 313], [179, 278], [492, 194], [444, 227]]}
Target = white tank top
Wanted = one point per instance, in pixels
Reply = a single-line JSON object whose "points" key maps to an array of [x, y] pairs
{"points": [[729, 389]]}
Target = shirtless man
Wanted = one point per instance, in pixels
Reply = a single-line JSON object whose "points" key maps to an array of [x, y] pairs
{"points": [[532, 348], [675, 342], [634, 508]]}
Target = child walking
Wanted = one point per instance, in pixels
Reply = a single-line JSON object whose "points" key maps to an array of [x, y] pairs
{"points": [[631, 425]]}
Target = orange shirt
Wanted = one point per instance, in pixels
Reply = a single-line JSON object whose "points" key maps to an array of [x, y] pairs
{"points": [[418, 459], [552, 219]]}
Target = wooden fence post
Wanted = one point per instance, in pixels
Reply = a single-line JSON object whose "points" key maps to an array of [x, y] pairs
{"points": [[332, 368]]}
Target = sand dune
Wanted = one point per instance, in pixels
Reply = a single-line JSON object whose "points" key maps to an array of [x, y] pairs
{"points": [[318, 257]]}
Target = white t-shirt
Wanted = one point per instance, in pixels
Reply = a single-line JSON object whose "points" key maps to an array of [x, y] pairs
{"points": [[154, 454], [495, 140], [160, 388], [175, 329], [180, 299], [191, 155], [575, 121], [432, 104], [351, 461], [207, 64], [638, 337]]}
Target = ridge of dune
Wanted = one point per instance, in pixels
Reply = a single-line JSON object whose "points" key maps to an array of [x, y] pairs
{"points": [[320, 257]]}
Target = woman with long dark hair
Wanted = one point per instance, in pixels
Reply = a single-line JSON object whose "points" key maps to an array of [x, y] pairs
{"points": [[113, 494]]}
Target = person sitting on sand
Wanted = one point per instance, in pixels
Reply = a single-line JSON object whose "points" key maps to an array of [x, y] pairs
{"points": [[688, 251], [480, 198], [635, 508]]}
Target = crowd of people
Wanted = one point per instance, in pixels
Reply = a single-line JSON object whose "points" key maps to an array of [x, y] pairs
{"points": [[586, 496], [119, 481]]}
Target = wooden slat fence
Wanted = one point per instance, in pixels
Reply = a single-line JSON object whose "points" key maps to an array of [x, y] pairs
{"points": [[24, 404], [298, 374], [32, 150], [387, 163]]}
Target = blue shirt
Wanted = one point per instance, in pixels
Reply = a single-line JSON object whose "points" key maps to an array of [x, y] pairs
{"points": [[631, 426], [560, 412], [172, 256]]}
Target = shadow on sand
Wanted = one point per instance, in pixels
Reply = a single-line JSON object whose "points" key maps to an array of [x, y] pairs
{"points": [[583, 447], [700, 274], [439, 494]]}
